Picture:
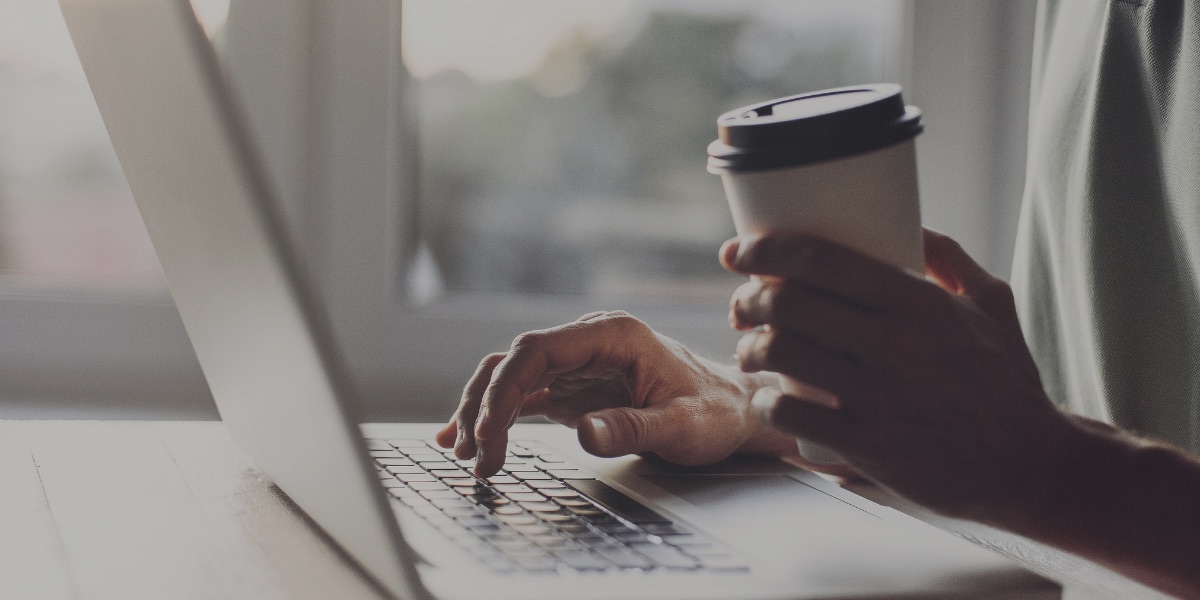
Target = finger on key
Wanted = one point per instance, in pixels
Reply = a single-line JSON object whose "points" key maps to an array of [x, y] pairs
{"points": [[602, 342], [462, 427]]}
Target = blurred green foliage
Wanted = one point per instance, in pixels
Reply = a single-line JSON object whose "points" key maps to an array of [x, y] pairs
{"points": [[504, 165]]}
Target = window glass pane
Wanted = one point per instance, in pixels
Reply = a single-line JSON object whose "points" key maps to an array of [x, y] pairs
{"points": [[562, 143], [67, 218]]}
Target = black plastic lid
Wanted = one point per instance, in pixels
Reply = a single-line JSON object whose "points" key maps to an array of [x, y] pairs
{"points": [[813, 127]]}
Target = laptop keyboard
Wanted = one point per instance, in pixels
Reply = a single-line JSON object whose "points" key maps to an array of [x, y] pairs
{"points": [[540, 514]]}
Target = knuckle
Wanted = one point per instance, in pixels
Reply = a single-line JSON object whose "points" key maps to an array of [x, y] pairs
{"points": [[774, 299], [772, 349], [746, 358], [527, 341], [627, 324], [761, 253]]}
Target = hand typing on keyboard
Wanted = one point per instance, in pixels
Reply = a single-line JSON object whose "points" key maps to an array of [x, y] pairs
{"points": [[626, 388]]}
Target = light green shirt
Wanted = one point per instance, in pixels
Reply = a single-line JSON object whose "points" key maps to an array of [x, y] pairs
{"points": [[1107, 265]]}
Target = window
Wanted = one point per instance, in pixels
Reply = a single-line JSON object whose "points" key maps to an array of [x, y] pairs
{"points": [[68, 219], [448, 196], [562, 144]]}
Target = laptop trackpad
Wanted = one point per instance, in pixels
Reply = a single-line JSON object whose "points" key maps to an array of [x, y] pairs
{"points": [[754, 497]]}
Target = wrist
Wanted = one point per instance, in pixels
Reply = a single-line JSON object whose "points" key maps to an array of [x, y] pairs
{"points": [[762, 438], [1079, 459]]}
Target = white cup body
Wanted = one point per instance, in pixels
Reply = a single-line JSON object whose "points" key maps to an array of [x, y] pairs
{"points": [[869, 202]]}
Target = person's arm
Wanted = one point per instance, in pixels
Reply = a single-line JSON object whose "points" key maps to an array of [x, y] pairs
{"points": [[937, 398], [1130, 504]]}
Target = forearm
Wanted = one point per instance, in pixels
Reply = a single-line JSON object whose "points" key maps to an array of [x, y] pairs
{"points": [[1129, 504]]}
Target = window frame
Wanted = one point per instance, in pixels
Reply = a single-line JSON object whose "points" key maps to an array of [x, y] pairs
{"points": [[333, 81]]}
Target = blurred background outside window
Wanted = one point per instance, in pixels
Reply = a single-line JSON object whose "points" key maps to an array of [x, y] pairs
{"points": [[67, 218], [562, 143], [559, 168]]}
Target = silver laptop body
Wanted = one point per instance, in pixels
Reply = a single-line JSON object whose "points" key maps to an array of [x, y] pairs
{"points": [[268, 355]]}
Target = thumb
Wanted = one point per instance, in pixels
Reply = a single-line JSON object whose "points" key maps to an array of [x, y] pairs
{"points": [[954, 270], [620, 431], [951, 267]]}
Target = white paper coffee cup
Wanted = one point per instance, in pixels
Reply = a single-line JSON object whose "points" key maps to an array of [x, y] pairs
{"points": [[838, 164]]}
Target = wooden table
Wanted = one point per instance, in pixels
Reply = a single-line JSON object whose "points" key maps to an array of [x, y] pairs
{"points": [[142, 509]]}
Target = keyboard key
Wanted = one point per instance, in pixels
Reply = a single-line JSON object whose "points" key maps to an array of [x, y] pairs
{"points": [[502, 480], [432, 494], [386, 454], [631, 537], [402, 492], [514, 547], [666, 556], [448, 502], [562, 520], [547, 485], [586, 511], [687, 539], [531, 529], [407, 470], [665, 528], [407, 443], [450, 474], [572, 500], [531, 475], [540, 507], [427, 485], [462, 482], [519, 518], [515, 468], [550, 458], [552, 542], [492, 503], [378, 445], [581, 560], [394, 462], [510, 489], [529, 496], [613, 526], [568, 474], [392, 482], [432, 465], [411, 477], [621, 505], [507, 509], [624, 557], [462, 511]]}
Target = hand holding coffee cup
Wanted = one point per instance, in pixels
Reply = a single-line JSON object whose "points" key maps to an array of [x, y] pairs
{"points": [[837, 164]]}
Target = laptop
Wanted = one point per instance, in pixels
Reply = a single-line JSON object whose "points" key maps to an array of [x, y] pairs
{"points": [[556, 523]]}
